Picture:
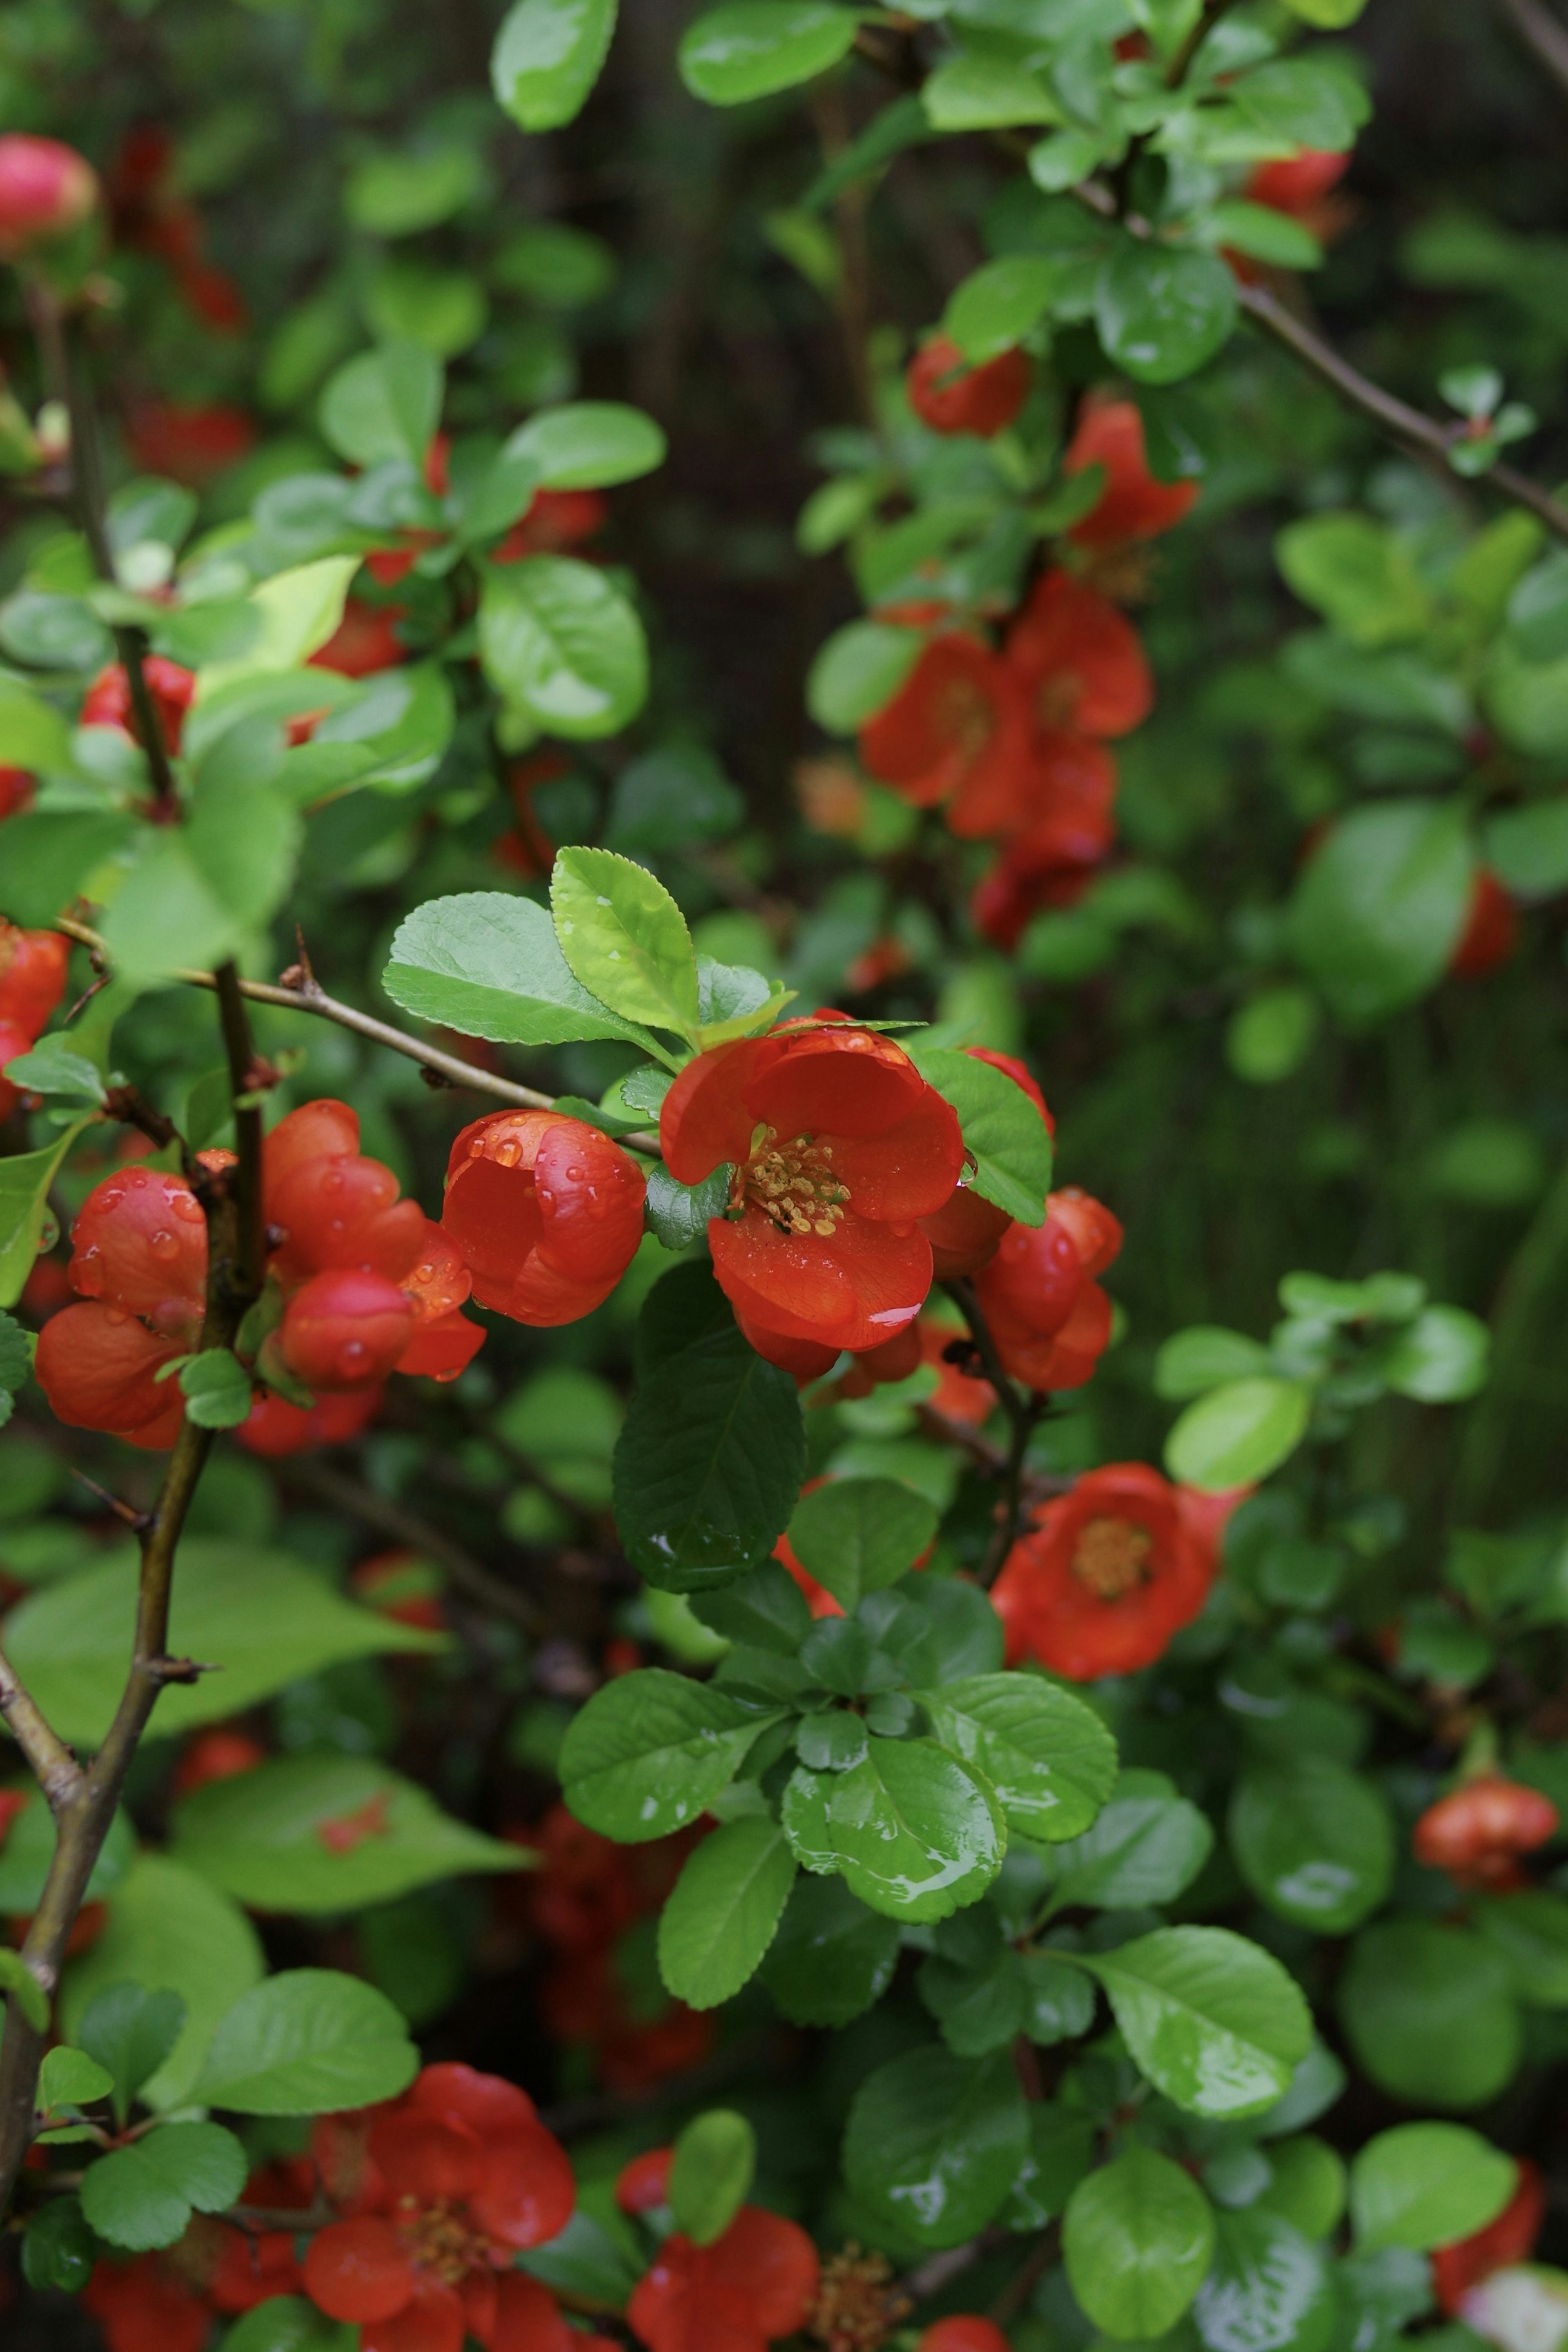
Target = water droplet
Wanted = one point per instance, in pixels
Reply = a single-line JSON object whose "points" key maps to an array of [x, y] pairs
{"points": [[112, 1197], [118, 1315], [86, 1273], [574, 1175], [351, 1356], [507, 1154], [164, 1246], [187, 1205]]}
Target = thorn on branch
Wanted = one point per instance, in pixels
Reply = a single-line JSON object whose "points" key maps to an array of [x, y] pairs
{"points": [[165, 1670], [138, 1521], [127, 1105]]}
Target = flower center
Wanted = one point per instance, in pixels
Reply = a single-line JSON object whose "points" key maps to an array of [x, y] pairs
{"points": [[439, 2238], [1112, 1557], [968, 720], [792, 1184], [1057, 699]]}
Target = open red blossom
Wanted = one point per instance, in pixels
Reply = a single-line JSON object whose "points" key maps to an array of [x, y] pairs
{"points": [[147, 2306], [1478, 1833], [1080, 659], [1110, 1572], [17, 786], [107, 700], [756, 2282], [956, 731], [546, 1211], [1134, 504], [966, 1231], [1051, 861], [45, 188], [838, 1147], [457, 2175], [1047, 1315], [1458, 2267], [1491, 928], [951, 396], [365, 641]]}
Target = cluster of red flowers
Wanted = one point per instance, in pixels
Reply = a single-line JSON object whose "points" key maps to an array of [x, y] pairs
{"points": [[1110, 1571], [1478, 1833], [151, 215], [1011, 741], [755, 2283], [366, 1283], [46, 190], [586, 1895], [32, 982], [434, 2193]]}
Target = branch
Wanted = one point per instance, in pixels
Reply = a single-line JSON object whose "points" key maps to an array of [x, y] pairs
{"points": [[342, 1492], [53, 1766], [1022, 1412], [1541, 31]]}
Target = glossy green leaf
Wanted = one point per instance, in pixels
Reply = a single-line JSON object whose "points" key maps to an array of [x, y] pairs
{"points": [[1136, 2238], [560, 642], [1235, 1435], [1268, 2287], [1205, 1356], [718, 1924], [1008, 1139], [1144, 1847], [588, 444], [859, 1535], [650, 1750], [915, 1832], [625, 938], [1429, 2015], [1382, 904], [489, 965], [1357, 573], [1309, 2187], [934, 2143], [307, 2041], [1000, 302], [749, 48], [385, 403], [547, 57], [144, 2195], [715, 2159], [1162, 310], [1424, 2185], [24, 1181], [1214, 2021], [129, 2032], [832, 1956], [286, 2322], [1314, 1841], [1049, 1757], [69, 2078], [1530, 1930]]}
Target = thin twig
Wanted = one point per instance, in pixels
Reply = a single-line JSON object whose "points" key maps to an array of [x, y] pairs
{"points": [[342, 1493], [1541, 30], [251, 1238], [1177, 71], [53, 1766], [1023, 1410]]}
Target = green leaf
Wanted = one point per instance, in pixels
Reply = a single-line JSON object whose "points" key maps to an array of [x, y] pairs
{"points": [[24, 1181], [385, 403], [490, 966], [1204, 1357], [560, 642], [323, 1834], [1061, 2151], [832, 1957], [1268, 2287], [171, 1933], [651, 1750], [1329, 15], [129, 2032], [1144, 1847], [71, 2078], [216, 1389], [1429, 2012], [1382, 905], [1235, 1435], [27, 1854], [980, 93], [678, 1214], [1527, 848], [997, 305], [1440, 1358], [1530, 1930], [749, 48], [399, 193], [1262, 231], [1268, 1037], [16, 1976], [286, 2322], [48, 858], [1352, 570], [1314, 1841], [934, 2143], [1162, 311], [257, 1614], [857, 1535], [51, 1067], [1212, 2020], [15, 1361], [1010, 1142], [588, 444], [58, 2249], [1309, 2184], [34, 733], [860, 668], [1049, 1757], [715, 2159], [547, 57], [1424, 2185], [1136, 2238], [915, 1832], [625, 938], [710, 1461], [305, 2042], [143, 2196], [718, 1924]]}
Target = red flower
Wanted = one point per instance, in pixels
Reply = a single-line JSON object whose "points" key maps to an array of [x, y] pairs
{"points": [[756, 2282], [951, 396], [401, 1584], [1048, 1317], [1491, 928], [454, 2177], [1294, 183], [1112, 1571], [345, 1330], [554, 519], [16, 791], [546, 1211], [220, 1754], [190, 441], [1080, 659], [1458, 2267], [962, 2331], [32, 981], [145, 2306], [108, 699], [1049, 863], [44, 189], [838, 1145], [275, 1428], [1132, 504], [957, 731], [365, 641], [1478, 1833], [966, 1232]]}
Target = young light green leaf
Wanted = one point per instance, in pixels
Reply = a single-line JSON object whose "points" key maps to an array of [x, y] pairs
{"points": [[1441, 1357], [547, 57], [749, 48], [650, 1750], [24, 1181], [1237, 1433], [625, 938], [588, 444], [307, 2041], [715, 2159], [718, 1924], [69, 2078], [490, 965], [216, 1389], [1426, 2184], [1205, 1356], [1382, 904], [1137, 2237], [860, 668], [1010, 1142]]}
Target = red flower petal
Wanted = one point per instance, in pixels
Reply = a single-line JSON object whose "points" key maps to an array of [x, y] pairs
{"points": [[1134, 504], [804, 1359], [704, 1119], [359, 2270], [907, 1170], [440, 1350], [769, 2266], [1080, 658], [317, 1129], [433, 2321], [486, 2102], [837, 1081], [591, 1193], [426, 2156], [1062, 1594], [98, 1367], [645, 2182], [527, 2193], [527, 2320], [345, 1330], [962, 2331]]}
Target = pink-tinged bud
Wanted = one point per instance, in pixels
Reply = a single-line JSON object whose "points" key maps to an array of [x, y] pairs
{"points": [[44, 189]]}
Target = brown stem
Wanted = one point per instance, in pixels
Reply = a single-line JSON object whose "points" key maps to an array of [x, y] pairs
{"points": [[1181, 64], [85, 1808], [1022, 1411], [1542, 32], [53, 1766], [250, 1249]]}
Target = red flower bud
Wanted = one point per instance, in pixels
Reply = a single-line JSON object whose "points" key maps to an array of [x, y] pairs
{"points": [[44, 189], [1477, 1832], [108, 699], [546, 1211], [951, 396], [321, 1129], [275, 1428], [32, 976], [343, 1211], [345, 1330], [140, 1241], [97, 1366], [962, 2331], [365, 640], [1491, 928]]}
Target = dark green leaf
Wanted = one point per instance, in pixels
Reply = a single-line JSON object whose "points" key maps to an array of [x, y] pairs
{"points": [[143, 2196], [650, 1752], [130, 2031], [934, 2143], [857, 1535], [1314, 1841], [1530, 1930], [1382, 904], [832, 1957], [1424, 2185], [59, 2249], [1269, 2287], [718, 1924], [560, 642], [1428, 2010], [1213, 2020], [307, 2041], [1047, 1756], [915, 1832], [1162, 311], [1142, 1849]]}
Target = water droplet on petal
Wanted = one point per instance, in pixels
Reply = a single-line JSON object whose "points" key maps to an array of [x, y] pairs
{"points": [[164, 1246], [507, 1154], [351, 1356]]}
